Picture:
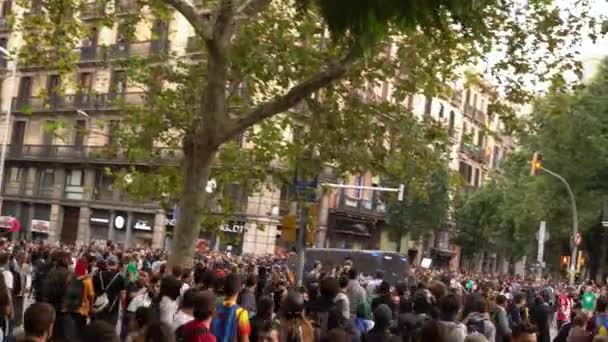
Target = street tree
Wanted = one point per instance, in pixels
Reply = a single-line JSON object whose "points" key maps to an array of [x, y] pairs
{"points": [[305, 67]]}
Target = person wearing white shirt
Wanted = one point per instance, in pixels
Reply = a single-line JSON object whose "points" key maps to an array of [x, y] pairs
{"points": [[169, 295], [185, 313]]}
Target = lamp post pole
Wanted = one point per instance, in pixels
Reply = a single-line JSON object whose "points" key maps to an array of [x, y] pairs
{"points": [[574, 223]]}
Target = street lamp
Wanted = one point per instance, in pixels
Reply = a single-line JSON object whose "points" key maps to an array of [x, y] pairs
{"points": [[7, 125]]}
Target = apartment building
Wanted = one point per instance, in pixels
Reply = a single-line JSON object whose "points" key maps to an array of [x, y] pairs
{"points": [[355, 218], [62, 145]]}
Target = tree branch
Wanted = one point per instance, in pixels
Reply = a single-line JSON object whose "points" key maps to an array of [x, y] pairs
{"points": [[333, 71], [201, 26]]}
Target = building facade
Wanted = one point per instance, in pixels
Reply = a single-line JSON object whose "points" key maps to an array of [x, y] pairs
{"points": [[63, 152]]}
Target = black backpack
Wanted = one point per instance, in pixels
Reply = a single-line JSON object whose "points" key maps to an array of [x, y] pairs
{"points": [[73, 294], [17, 286], [476, 327]]}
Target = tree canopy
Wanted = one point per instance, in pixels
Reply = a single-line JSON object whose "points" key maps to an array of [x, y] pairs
{"points": [[269, 70], [569, 129]]}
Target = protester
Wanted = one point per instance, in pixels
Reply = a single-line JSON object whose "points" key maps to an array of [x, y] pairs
{"points": [[38, 323], [540, 316], [199, 329], [264, 317], [503, 330], [477, 319], [109, 286], [246, 297], [451, 329], [294, 325], [6, 308], [231, 321], [383, 316], [356, 293]]}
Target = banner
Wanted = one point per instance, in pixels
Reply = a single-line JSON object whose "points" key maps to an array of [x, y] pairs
{"points": [[41, 226]]}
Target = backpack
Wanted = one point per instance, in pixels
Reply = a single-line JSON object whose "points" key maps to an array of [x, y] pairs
{"points": [[601, 322], [412, 329], [476, 327], [181, 335], [17, 286], [73, 294], [325, 321], [225, 324], [102, 301]]}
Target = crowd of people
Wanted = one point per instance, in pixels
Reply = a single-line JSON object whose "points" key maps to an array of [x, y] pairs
{"points": [[107, 293]]}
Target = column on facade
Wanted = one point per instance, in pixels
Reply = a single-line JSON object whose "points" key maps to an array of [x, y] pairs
{"points": [[84, 226], [158, 231], [56, 221], [30, 182], [111, 225], [129, 229], [31, 216]]}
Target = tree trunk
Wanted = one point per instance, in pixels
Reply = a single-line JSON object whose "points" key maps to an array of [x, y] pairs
{"points": [[196, 170]]}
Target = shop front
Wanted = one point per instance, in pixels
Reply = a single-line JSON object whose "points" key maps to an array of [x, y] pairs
{"points": [[142, 228], [227, 237], [99, 224]]}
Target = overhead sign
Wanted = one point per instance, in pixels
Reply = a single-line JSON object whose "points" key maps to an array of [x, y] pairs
{"points": [[142, 225], [119, 222], [41, 226], [234, 227]]}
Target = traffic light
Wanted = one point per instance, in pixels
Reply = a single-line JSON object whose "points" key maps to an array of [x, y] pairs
{"points": [[536, 164], [565, 261]]}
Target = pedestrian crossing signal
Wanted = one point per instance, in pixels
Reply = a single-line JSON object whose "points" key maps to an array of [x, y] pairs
{"points": [[536, 164]]}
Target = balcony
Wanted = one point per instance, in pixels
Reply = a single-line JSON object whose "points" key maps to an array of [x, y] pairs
{"points": [[475, 151], [128, 50], [368, 203], [91, 154], [58, 103], [92, 10]]}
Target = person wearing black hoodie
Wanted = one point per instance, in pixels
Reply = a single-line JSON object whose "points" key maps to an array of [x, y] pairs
{"points": [[382, 323]]}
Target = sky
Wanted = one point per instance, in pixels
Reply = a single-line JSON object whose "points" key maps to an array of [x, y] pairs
{"points": [[592, 53]]}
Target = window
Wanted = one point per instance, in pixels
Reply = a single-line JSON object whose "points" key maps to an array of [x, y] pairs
{"points": [[358, 182], [15, 174], [112, 132], [6, 8], [81, 131], [480, 138], [428, 104], [85, 82], [465, 170], [476, 181], [104, 186], [53, 84], [46, 181], [496, 157], [119, 82], [452, 123], [441, 112], [468, 97], [73, 184], [25, 87], [474, 100]]}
